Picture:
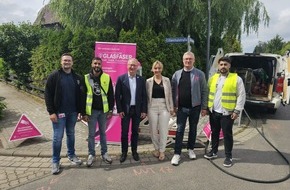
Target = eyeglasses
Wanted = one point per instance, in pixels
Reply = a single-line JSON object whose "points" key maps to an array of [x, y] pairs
{"points": [[132, 65]]}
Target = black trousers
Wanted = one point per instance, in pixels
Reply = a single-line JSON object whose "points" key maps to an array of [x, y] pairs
{"points": [[135, 121], [218, 122]]}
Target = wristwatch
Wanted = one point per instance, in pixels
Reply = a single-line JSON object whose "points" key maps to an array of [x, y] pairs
{"points": [[237, 111]]}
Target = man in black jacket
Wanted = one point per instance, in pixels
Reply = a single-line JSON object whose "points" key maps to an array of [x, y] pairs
{"points": [[63, 101]]}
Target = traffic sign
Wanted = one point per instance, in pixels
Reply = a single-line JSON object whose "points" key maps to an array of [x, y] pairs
{"points": [[176, 40], [24, 129]]}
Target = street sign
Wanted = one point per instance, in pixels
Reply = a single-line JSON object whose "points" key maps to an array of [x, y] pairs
{"points": [[187, 40], [176, 40]]}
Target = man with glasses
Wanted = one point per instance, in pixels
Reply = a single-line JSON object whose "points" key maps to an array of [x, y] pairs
{"points": [[189, 91], [131, 102]]}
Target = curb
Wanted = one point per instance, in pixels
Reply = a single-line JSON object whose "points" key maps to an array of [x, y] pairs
{"points": [[200, 142]]}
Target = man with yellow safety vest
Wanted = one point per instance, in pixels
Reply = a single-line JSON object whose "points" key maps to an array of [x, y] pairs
{"points": [[98, 103], [226, 100]]}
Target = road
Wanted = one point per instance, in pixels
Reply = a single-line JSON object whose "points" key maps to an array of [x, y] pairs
{"points": [[253, 158]]}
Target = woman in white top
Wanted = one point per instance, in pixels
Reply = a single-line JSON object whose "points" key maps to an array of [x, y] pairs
{"points": [[160, 107]]}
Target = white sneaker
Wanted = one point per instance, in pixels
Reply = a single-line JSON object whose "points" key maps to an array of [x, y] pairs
{"points": [[55, 168], [175, 159], [90, 160], [191, 154], [107, 159], [75, 160]]}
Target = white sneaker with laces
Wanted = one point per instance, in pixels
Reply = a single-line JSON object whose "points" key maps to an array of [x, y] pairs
{"points": [[75, 160], [90, 160], [191, 154], [106, 158], [175, 160]]}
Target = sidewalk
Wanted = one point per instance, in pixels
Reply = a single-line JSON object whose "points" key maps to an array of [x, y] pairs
{"points": [[19, 102]]}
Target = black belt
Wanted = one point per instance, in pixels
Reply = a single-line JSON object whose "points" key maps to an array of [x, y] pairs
{"points": [[217, 113]]}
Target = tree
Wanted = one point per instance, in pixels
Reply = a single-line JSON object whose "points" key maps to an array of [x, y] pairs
{"points": [[274, 45], [181, 17], [83, 46], [261, 47], [285, 48], [4, 71], [46, 57], [231, 44], [17, 42]]}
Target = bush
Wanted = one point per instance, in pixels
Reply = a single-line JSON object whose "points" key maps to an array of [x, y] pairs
{"points": [[2, 107]]}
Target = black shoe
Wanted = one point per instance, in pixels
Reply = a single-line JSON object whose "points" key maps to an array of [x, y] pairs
{"points": [[228, 162], [123, 157], [136, 156], [210, 155]]}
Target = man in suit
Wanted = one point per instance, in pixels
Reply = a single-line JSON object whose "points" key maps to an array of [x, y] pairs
{"points": [[131, 102]]}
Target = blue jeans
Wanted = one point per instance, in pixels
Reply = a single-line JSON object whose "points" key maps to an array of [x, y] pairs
{"points": [[98, 116], [68, 123], [193, 116]]}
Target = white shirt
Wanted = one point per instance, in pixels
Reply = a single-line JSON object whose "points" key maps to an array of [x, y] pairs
{"points": [[241, 96], [132, 83]]}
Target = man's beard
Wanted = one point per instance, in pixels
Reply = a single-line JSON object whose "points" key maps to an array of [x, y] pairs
{"points": [[97, 69], [223, 71]]}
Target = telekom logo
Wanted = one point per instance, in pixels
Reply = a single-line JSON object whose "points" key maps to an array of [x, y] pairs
{"points": [[196, 78], [24, 122]]}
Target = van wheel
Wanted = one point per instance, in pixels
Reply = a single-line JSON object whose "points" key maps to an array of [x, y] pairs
{"points": [[272, 110]]}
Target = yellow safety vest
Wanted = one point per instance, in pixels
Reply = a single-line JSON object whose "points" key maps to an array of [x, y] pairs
{"points": [[229, 91], [104, 80]]}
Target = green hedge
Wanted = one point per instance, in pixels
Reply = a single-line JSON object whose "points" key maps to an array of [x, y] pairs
{"points": [[2, 107]]}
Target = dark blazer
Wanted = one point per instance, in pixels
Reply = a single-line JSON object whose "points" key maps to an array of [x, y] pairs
{"points": [[123, 95]]}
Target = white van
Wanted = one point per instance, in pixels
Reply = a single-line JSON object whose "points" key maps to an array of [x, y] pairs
{"points": [[266, 77]]}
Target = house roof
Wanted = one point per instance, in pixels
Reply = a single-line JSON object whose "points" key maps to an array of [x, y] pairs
{"points": [[46, 16]]}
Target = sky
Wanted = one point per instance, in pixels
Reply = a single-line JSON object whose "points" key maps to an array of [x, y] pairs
{"points": [[279, 11]]}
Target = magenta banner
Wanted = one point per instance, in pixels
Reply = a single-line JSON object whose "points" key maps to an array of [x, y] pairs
{"points": [[115, 57]]}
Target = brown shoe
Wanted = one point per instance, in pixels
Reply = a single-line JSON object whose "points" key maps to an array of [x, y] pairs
{"points": [[155, 153], [161, 156]]}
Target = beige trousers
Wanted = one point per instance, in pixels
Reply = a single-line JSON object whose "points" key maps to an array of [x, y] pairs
{"points": [[158, 116]]}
